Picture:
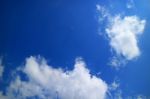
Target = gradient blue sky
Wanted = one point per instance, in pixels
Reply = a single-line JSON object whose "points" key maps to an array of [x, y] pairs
{"points": [[61, 30]]}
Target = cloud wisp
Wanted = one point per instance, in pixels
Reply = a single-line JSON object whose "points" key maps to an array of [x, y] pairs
{"points": [[130, 4], [45, 82], [1, 68]]}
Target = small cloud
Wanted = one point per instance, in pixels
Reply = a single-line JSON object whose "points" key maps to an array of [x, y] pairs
{"points": [[141, 97], [114, 90], [118, 95], [115, 85], [115, 62], [130, 4], [104, 13], [1, 68]]}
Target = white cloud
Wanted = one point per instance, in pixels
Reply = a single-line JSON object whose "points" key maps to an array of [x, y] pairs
{"points": [[123, 34], [115, 62], [114, 85], [47, 82], [114, 90], [103, 13]]}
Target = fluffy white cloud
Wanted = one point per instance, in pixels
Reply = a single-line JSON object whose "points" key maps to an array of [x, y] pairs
{"points": [[123, 34], [45, 82]]}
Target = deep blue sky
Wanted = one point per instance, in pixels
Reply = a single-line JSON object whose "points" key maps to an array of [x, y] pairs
{"points": [[61, 30]]}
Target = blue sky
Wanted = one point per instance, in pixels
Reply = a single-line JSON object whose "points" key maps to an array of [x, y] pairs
{"points": [[62, 31]]}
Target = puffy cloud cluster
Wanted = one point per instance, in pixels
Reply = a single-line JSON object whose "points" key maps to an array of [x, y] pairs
{"points": [[45, 82], [123, 34]]}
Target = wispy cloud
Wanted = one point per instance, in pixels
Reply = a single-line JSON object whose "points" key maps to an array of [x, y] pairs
{"points": [[45, 82], [1, 68], [130, 4]]}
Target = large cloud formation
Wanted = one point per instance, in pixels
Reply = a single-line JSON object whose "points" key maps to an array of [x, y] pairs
{"points": [[45, 82]]}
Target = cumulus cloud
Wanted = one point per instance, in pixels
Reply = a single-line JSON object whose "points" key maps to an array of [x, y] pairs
{"points": [[122, 33], [45, 82]]}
